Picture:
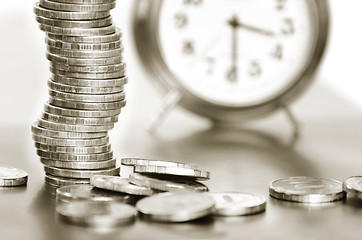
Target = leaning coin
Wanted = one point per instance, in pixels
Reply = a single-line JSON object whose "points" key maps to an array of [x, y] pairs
{"points": [[48, 13], [172, 207], [87, 105], [89, 75], [11, 177], [74, 150], [167, 184], [307, 189], [71, 142], [176, 171], [84, 46], [103, 22], [61, 181], [83, 192], [79, 165], [236, 203], [86, 131], [77, 7], [353, 186], [89, 69], [80, 173], [40, 131], [119, 184], [77, 31], [96, 214], [86, 54], [78, 120], [84, 61], [152, 162], [80, 113], [88, 39], [99, 157], [105, 83]]}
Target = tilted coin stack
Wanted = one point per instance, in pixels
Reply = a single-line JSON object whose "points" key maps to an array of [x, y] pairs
{"points": [[86, 90]]}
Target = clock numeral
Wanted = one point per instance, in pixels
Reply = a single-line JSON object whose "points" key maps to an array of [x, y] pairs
{"points": [[288, 26], [181, 20], [255, 69], [188, 47], [210, 65], [278, 52], [193, 2], [280, 5]]}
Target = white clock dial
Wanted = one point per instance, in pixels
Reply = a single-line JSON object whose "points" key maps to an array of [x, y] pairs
{"points": [[237, 53]]}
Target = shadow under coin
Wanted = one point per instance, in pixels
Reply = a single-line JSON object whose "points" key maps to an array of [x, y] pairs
{"points": [[305, 206], [13, 190]]}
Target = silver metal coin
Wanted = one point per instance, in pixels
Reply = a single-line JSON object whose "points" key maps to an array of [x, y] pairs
{"points": [[89, 69], [88, 39], [41, 130], [74, 150], [89, 131], [77, 7], [152, 162], [81, 192], [73, 173], [105, 83], [78, 120], [89, 75], [96, 213], [86, 54], [79, 165], [306, 189], [66, 157], [83, 90], [353, 186], [84, 1], [83, 46], [103, 22], [61, 181], [175, 207], [92, 98], [167, 184], [120, 184], [11, 177], [99, 106], [84, 61], [236, 203], [71, 142], [77, 31]]}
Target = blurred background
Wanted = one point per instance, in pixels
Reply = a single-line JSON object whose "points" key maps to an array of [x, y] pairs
{"points": [[24, 68]]}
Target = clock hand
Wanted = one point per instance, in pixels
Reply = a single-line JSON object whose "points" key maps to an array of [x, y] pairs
{"points": [[256, 29], [232, 74]]}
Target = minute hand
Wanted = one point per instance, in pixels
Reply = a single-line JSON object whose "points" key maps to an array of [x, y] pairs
{"points": [[256, 29]]}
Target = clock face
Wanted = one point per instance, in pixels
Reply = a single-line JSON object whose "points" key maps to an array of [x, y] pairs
{"points": [[237, 53]]}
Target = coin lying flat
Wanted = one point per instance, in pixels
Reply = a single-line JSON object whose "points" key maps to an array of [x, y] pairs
{"points": [[88, 192], [77, 31], [353, 186], [236, 203], [88, 39], [306, 189], [73, 150], [70, 130], [96, 214], [78, 165], [84, 1], [89, 69], [42, 130], [119, 184], [78, 120], [98, 98], [61, 181], [103, 22], [167, 184], [115, 82], [77, 7], [98, 106], [152, 162], [83, 46], [175, 207], [75, 157], [63, 142], [11, 177], [73, 173], [84, 61]]}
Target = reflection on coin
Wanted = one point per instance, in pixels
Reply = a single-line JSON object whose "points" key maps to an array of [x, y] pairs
{"points": [[88, 192], [152, 162], [353, 186], [237, 204], [306, 189], [96, 214], [167, 184], [175, 207], [61, 181], [10, 176], [119, 184]]}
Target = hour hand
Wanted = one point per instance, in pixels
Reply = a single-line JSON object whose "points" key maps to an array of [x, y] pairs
{"points": [[256, 29]]}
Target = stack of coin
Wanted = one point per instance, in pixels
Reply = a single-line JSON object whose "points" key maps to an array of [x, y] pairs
{"points": [[86, 89]]}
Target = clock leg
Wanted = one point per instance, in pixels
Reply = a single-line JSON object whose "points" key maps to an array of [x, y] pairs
{"points": [[294, 122]]}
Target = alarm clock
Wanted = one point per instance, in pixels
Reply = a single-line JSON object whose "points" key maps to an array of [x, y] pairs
{"points": [[231, 60]]}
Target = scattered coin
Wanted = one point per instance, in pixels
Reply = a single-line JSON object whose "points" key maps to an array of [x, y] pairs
{"points": [[236, 203], [307, 189], [96, 214], [62, 181], [152, 162], [353, 186], [175, 207], [11, 177]]}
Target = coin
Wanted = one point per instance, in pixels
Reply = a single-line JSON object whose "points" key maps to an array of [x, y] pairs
{"points": [[103, 22], [71, 142], [88, 39], [306, 189], [176, 171], [119, 67], [84, 61], [79, 165], [78, 120], [77, 31], [66, 157], [74, 150], [87, 192], [83, 90], [117, 82], [166, 184], [103, 106], [175, 207], [236, 203], [61, 181], [48, 13], [45, 132], [92, 98], [80, 113], [11, 177], [86, 54], [77, 7], [84, 46], [89, 75], [96, 214], [353, 186], [152, 162], [71, 173], [84, 1], [119, 184]]}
